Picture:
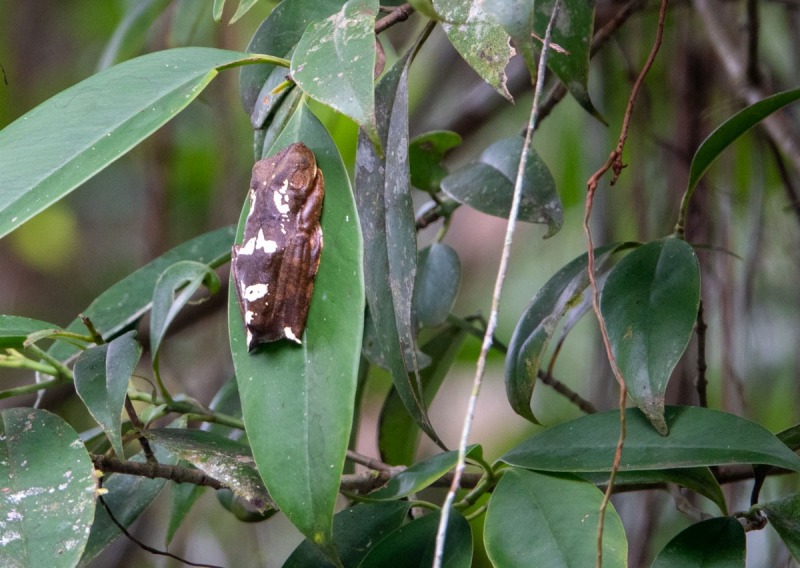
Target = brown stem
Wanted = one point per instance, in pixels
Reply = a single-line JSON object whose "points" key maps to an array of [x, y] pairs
{"points": [[701, 383], [399, 14]]}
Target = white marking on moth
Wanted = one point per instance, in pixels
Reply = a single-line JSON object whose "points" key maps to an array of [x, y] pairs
{"points": [[248, 247], [283, 228], [248, 316], [281, 202], [284, 187], [252, 203], [268, 246], [255, 292], [249, 337]]}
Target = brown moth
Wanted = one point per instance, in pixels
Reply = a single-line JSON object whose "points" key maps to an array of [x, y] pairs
{"points": [[274, 267]]}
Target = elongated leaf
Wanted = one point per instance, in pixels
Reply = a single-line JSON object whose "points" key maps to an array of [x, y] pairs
{"points": [[784, 516], [535, 328], [242, 9], [173, 290], [131, 33], [184, 496], [101, 380], [334, 62], [221, 458], [698, 437], [15, 329], [488, 185], [413, 544], [298, 400], [698, 479], [437, 283], [398, 432], [387, 221], [277, 35], [714, 543], [650, 303], [129, 299], [479, 39], [420, 475], [265, 139], [99, 120], [543, 520], [731, 129], [355, 531], [47, 488], [128, 496]]}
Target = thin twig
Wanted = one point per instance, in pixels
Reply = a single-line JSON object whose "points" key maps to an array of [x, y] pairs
{"points": [[371, 463], [175, 473], [397, 15], [615, 164], [139, 425], [786, 180], [753, 24], [441, 533], [701, 383]]}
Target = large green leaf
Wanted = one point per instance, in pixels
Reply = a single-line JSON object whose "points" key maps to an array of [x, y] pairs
{"points": [[102, 374], [298, 400], [784, 516], [731, 129], [714, 543], [479, 39], [387, 221], [334, 62], [355, 531], [398, 432], [15, 329], [488, 185], [129, 299], [698, 437], [561, 294], [52, 149], [221, 458], [47, 490], [650, 303], [544, 520], [413, 544]]}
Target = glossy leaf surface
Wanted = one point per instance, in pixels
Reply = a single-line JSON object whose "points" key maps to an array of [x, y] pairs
{"points": [[536, 519], [697, 437], [714, 543], [437, 283], [784, 516], [650, 303], [15, 329]]}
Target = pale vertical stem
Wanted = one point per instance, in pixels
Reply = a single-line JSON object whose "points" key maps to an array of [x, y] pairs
{"points": [[441, 534]]}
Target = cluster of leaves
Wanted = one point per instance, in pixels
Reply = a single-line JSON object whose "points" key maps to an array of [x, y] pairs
{"points": [[296, 404]]}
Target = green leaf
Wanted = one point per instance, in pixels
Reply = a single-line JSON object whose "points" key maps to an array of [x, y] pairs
{"points": [[420, 475], [14, 330], [479, 39], [698, 479], [398, 432], [733, 128], [650, 303], [698, 437], [226, 401], [561, 294], [174, 288], [355, 531], [219, 457], [242, 9], [387, 221], [277, 35], [99, 120], [47, 489], [437, 282], [184, 496], [334, 62], [286, 107], [544, 520], [216, 10], [125, 302], [425, 153], [101, 380], [488, 185], [128, 496], [413, 544], [130, 34], [714, 543], [298, 400], [784, 516]]}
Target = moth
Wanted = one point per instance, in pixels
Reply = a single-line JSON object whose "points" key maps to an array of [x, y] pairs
{"points": [[274, 267]]}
